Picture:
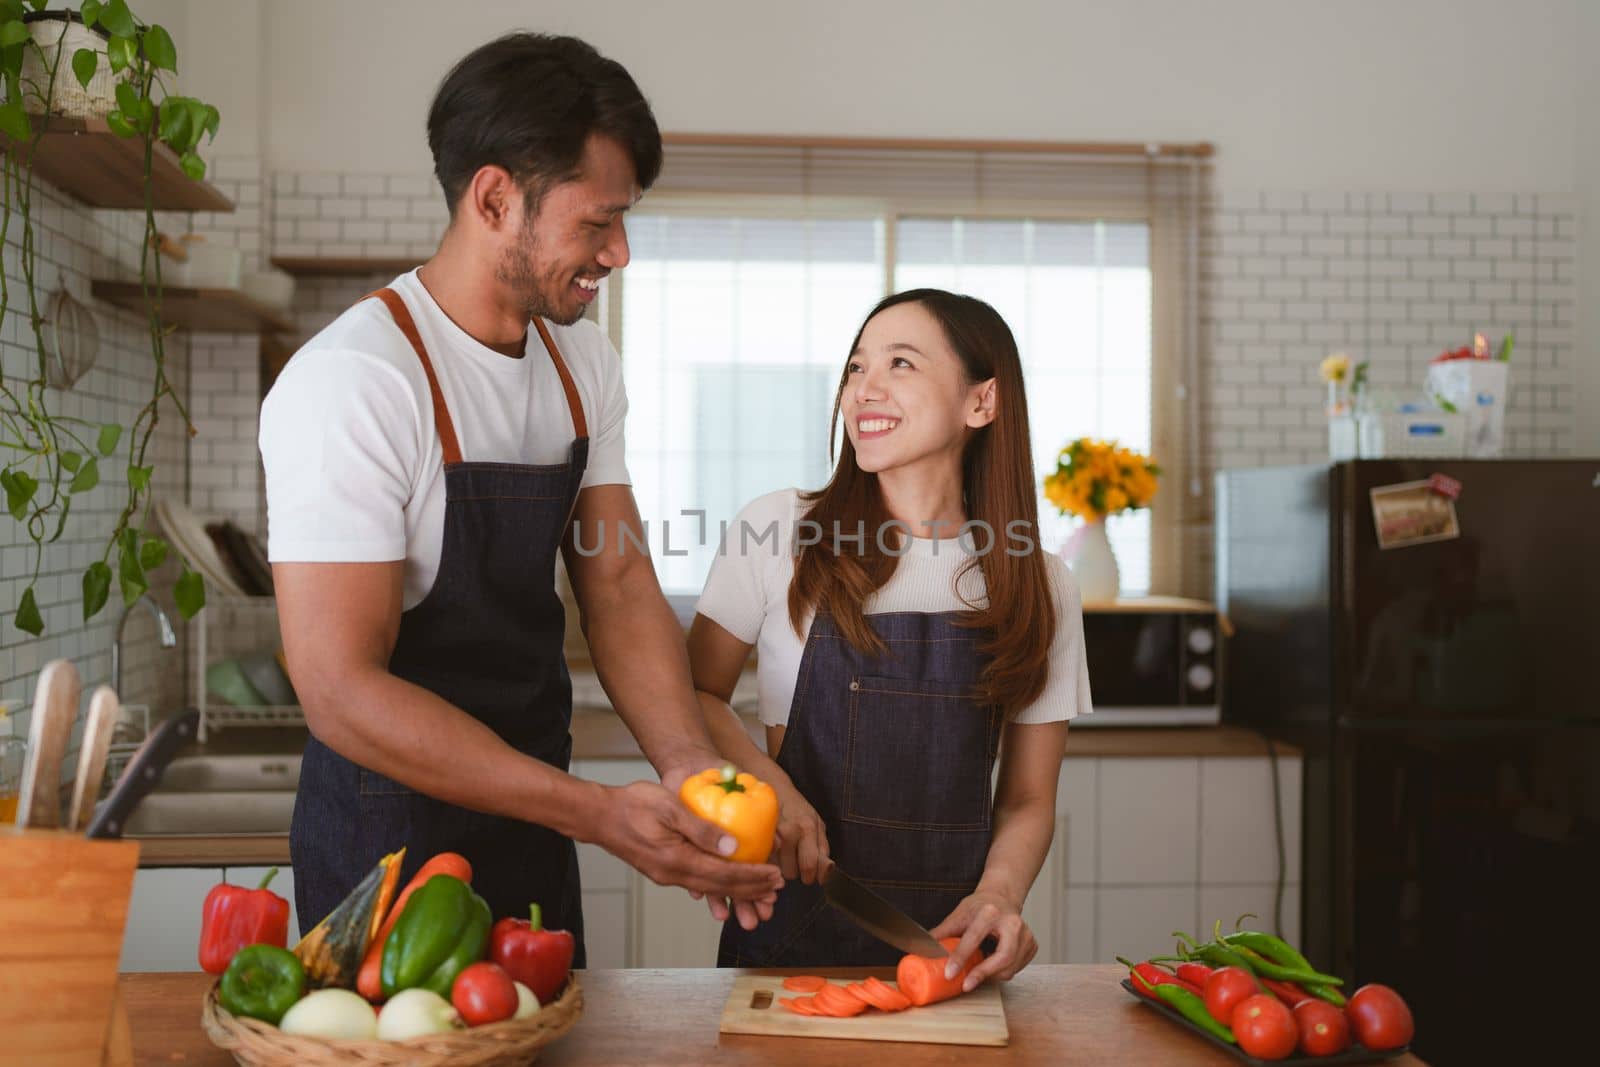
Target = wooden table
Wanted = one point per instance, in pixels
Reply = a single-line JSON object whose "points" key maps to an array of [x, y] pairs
{"points": [[1058, 1015]]}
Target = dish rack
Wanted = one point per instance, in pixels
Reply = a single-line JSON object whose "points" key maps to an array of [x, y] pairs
{"points": [[230, 627]]}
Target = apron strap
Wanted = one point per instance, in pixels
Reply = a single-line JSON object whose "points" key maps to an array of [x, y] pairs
{"points": [[441, 414], [580, 425]]}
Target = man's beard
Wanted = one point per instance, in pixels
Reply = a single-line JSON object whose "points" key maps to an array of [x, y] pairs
{"points": [[516, 272]]}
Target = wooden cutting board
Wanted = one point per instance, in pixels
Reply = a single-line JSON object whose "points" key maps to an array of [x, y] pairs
{"points": [[977, 1018]]}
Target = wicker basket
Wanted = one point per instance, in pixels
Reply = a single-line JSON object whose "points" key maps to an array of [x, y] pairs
{"points": [[69, 98], [257, 1044]]}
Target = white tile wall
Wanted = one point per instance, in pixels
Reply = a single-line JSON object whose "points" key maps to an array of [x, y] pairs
{"points": [[215, 376]]}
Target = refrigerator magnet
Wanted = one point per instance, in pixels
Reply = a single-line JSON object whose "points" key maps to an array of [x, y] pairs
{"points": [[1413, 513]]}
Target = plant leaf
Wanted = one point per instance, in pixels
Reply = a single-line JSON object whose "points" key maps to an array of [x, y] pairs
{"points": [[90, 10], [87, 478], [139, 478], [28, 618], [1505, 349], [110, 434], [212, 120], [122, 53], [193, 166], [20, 487], [153, 553], [14, 122], [118, 20], [11, 9], [85, 61], [12, 33], [190, 593], [61, 520], [71, 460], [130, 575], [159, 49], [127, 98], [118, 125], [96, 589], [177, 124], [38, 5]]}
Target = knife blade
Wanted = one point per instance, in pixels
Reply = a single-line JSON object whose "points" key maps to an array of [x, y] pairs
{"points": [[92, 752], [143, 772], [877, 916], [55, 706]]}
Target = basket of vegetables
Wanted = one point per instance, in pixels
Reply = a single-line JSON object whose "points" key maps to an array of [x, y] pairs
{"points": [[424, 979]]}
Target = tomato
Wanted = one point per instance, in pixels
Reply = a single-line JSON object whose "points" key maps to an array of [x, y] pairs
{"points": [[1226, 987], [1264, 1027], [1379, 1017], [484, 993], [1324, 1030]]}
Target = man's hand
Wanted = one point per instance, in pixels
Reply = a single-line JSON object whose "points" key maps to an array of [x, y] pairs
{"points": [[652, 831]]}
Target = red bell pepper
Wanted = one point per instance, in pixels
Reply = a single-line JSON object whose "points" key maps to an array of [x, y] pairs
{"points": [[234, 917], [532, 955]]}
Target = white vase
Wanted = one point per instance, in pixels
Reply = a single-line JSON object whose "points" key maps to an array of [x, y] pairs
{"points": [[1094, 565]]}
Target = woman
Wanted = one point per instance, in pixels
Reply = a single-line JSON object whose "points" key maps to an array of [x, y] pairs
{"points": [[897, 660]]}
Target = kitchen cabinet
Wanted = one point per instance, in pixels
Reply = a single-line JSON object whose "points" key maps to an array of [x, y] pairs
{"points": [[1143, 846]]}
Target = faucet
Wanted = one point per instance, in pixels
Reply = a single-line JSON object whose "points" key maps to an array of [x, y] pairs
{"points": [[168, 638]]}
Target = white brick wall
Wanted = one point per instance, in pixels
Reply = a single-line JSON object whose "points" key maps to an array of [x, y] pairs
{"points": [[357, 215]]}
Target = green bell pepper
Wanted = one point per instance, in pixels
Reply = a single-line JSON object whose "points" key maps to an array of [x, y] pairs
{"points": [[262, 982], [445, 927]]}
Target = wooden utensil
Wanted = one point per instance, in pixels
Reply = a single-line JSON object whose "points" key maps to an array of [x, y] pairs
{"points": [[93, 749], [976, 1018], [55, 705]]}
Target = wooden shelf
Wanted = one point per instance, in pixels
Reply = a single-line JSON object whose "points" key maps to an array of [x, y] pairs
{"points": [[86, 160], [220, 310], [310, 267]]}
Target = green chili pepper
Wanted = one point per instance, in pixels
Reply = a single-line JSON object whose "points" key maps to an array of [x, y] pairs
{"points": [[1267, 969], [262, 982], [444, 927], [1325, 992], [1193, 1008], [1275, 949]]}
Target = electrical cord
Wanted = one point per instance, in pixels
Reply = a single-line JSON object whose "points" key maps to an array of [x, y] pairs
{"points": [[1277, 823]]}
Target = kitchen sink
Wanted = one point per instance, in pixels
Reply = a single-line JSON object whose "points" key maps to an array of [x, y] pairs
{"points": [[239, 782]]}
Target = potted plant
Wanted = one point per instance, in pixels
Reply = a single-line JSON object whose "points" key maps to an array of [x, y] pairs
{"points": [[1095, 480], [47, 459]]}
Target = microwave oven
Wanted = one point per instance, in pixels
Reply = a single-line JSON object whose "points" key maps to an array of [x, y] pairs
{"points": [[1153, 661]]}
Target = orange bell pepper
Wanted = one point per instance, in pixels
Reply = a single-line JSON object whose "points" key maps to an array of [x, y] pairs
{"points": [[741, 804]]}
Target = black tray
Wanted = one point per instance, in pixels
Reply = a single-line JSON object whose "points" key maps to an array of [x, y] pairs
{"points": [[1356, 1053]]}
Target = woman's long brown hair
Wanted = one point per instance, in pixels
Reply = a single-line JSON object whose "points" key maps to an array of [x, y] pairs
{"points": [[997, 489]]}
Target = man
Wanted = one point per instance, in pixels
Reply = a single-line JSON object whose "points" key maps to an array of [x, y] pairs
{"points": [[426, 456]]}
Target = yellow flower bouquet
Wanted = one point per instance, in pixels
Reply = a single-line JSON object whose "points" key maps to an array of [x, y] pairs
{"points": [[1095, 479]]}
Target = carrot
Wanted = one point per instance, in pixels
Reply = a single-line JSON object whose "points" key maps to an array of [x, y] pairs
{"points": [[794, 1004], [922, 979], [804, 983], [833, 1000], [888, 997], [369, 980], [867, 996]]}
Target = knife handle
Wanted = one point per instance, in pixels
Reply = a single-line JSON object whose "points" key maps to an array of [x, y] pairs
{"points": [[143, 772]]}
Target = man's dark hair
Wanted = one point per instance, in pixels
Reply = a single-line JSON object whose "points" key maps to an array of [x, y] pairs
{"points": [[528, 102]]}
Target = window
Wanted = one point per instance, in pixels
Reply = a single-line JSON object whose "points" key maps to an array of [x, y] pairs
{"points": [[755, 260]]}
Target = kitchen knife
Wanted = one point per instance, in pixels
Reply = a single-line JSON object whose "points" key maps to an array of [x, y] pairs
{"points": [[143, 772], [92, 752], [877, 916], [55, 705]]}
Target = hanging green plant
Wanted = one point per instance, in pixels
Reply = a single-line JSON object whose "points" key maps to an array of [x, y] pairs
{"points": [[48, 459]]}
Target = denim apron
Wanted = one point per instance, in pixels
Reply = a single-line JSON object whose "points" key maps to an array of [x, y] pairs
{"points": [[897, 757], [487, 637]]}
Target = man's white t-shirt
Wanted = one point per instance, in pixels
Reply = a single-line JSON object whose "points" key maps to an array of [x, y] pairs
{"points": [[354, 467], [747, 594]]}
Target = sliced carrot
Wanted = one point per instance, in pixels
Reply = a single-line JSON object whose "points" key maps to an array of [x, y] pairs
{"points": [[866, 994], [804, 983], [793, 1004], [922, 979], [892, 999], [833, 1000]]}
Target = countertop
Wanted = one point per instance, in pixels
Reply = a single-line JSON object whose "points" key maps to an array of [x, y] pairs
{"points": [[1057, 1014]]}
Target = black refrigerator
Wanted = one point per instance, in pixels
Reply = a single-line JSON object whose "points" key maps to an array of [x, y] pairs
{"points": [[1446, 693]]}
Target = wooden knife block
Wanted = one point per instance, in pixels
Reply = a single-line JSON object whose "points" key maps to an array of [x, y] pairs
{"points": [[63, 903]]}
